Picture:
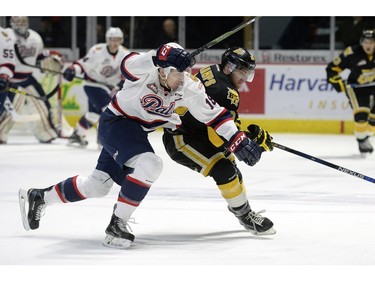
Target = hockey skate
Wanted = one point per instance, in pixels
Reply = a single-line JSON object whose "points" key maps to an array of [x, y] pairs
{"points": [[32, 201], [252, 221], [365, 147], [118, 236], [76, 139]]}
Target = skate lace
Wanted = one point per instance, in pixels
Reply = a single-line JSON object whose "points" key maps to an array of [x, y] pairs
{"points": [[256, 218], [124, 225], [40, 211]]}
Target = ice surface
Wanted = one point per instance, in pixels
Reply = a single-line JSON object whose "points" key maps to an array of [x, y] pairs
{"points": [[322, 216]]}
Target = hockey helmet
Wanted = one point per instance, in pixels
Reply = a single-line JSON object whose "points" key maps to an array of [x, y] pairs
{"points": [[168, 69], [367, 34], [238, 58], [19, 24], [114, 32]]}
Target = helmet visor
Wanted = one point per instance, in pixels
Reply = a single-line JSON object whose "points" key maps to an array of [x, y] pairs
{"points": [[241, 72]]}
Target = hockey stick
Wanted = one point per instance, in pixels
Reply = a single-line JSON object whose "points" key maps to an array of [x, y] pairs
{"points": [[223, 36], [20, 92], [361, 85], [53, 71], [321, 161]]}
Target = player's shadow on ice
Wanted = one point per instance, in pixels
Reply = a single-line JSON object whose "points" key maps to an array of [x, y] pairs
{"points": [[86, 247], [197, 238]]}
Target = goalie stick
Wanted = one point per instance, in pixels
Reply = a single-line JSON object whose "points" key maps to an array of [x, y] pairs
{"points": [[223, 36], [54, 71], [323, 162]]}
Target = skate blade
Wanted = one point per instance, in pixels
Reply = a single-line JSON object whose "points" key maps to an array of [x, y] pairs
{"points": [[114, 242], [76, 144], [270, 231], [22, 199]]}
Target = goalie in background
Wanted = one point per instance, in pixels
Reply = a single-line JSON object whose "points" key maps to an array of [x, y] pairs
{"points": [[101, 64], [30, 48], [198, 147], [7, 65], [360, 61]]}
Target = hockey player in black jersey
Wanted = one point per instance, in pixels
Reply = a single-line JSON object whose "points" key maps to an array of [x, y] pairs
{"points": [[199, 148], [360, 86]]}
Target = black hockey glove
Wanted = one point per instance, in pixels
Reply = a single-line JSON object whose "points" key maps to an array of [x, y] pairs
{"points": [[337, 83], [260, 136], [244, 148], [167, 55], [4, 83], [69, 73]]}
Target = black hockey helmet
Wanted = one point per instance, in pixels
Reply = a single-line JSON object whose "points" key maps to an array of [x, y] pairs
{"points": [[367, 34], [238, 56]]}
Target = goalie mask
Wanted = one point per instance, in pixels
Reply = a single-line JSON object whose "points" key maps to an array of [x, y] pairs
{"points": [[114, 32], [236, 58], [20, 25]]}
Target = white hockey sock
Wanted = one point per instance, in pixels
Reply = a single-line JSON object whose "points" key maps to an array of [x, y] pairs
{"points": [[124, 211], [51, 197]]}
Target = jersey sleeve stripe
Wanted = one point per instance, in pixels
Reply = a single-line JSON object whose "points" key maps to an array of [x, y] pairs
{"points": [[124, 71], [223, 117]]}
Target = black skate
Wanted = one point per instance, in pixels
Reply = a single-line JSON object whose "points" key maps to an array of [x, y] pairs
{"points": [[253, 221], [365, 147], [76, 139], [34, 198], [118, 236]]}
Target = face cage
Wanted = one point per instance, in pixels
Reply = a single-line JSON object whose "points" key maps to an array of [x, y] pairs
{"points": [[232, 67], [20, 25]]}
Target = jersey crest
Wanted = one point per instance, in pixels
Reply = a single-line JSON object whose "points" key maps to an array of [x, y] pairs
{"points": [[154, 104], [233, 96]]}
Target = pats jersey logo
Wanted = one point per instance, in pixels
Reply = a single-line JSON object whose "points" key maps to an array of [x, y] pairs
{"points": [[154, 104]]}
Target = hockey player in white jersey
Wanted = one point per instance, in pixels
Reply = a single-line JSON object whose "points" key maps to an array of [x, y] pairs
{"points": [[7, 65], [101, 64], [155, 86], [30, 49]]}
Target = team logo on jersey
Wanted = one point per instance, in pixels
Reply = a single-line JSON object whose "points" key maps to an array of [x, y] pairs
{"points": [[233, 96], [154, 104], [153, 87], [107, 71], [27, 52]]}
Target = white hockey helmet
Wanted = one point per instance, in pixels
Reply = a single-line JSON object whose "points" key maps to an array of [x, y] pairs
{"points": [[114, 32], [19, 24]]}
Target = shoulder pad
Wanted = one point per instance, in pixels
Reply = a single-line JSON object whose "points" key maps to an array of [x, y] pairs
{"points": [[348, 51]]}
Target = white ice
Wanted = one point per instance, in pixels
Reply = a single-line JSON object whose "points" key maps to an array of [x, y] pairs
{"points": [[322, 216]]}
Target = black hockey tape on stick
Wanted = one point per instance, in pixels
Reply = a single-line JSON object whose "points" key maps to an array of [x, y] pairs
{"points": [[53, 71], [323, 162], [223, 36]]}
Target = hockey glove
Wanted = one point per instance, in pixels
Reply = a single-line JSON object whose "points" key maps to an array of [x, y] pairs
{"points": [[69, 73], [260, 136], [4, 83], [167, 55], [244, 148], [337, 83]]}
